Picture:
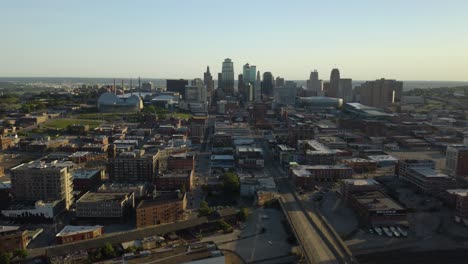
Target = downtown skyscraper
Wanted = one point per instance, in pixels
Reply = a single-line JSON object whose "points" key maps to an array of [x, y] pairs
{"points": [[267, 84], [227, 77], [314, 85], [333, 90], [209, 83]]}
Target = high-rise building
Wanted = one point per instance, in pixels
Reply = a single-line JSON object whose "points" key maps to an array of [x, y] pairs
{"points": [[279, 82], [248, 73], [334, 83], [241, 87], [346, 90], [39, 180], [176, 86], [380, 93], [209, 83], [196, 91], [286, 94], [267, 84], [258, 88], [227, 77], [457, 160], [220, 80], [314, 85], [132, 167]]}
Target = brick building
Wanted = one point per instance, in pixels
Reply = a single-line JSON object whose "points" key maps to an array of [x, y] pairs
{"points": [[71, 234], [166, 208]]}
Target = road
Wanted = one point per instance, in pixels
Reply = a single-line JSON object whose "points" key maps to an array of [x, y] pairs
{"points": [[318, 243]]}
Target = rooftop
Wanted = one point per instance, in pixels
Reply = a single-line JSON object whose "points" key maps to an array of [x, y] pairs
{"points": [[360, 182], [429, 173], [376, 201], [459, 192], [165, 198], [84, 174], [73, 230], [7, 229], [93, 197]]}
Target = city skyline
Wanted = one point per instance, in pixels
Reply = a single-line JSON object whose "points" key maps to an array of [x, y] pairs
{"points": [[420, 41]]}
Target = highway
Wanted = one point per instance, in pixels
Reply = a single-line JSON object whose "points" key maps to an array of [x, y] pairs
{"points": [[319, 243]]}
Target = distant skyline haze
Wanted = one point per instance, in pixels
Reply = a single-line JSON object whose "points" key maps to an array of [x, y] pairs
{"points": [[364, 39]]}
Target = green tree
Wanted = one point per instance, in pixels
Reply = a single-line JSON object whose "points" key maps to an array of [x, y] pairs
{"points": [[230, 183], [225, 226], [5, 258], [108, 250], [243, 214], [204, 210], [131, 249], [20, 253]]}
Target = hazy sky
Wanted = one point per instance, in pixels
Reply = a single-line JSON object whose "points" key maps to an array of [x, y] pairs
{"points": [[402, 39]]}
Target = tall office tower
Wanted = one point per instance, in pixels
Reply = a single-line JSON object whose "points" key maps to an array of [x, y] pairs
{"points": [[241, 87], [258, 88], [248, 74], [133, 167], [334, 83], [39, 180], [227, 77], [314, 85], [457, 160], [209, 83], [380, 93], [267, 84], [346, 90], [196, 91], [220, 80], [176, 86], [279, 82]]}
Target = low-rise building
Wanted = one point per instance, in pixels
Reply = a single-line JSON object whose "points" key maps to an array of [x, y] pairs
{"points": [[348, 186], [222, 161], [384, 160], [461, 202], [360, 165], [422, 174], [71, 234], [181, 161], [249, 157], [84, 180], [377, 209], [306, 176], [175, 180], [285, 155], [162, 209], [104, 205], [44, 209], [311, 152], [138, 189], [12, 238]]}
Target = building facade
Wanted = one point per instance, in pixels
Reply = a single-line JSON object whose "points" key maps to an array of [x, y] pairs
{"points": [[132, 167], [227, 77], [163, 209], [38, 180], [457, 160]]}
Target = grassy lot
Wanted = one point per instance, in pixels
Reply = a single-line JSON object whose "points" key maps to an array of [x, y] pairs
{"points": [[106, 116], [64, 123], [180, 115]]}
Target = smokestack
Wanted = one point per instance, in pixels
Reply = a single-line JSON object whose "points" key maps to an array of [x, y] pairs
{"points": [[139, 86]]}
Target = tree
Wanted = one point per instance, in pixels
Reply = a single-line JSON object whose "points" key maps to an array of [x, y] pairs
{"points": [[225, 226], [131, 249], [108, 250], [5, 258], [243, 214], [20, 253], [204, 209], [230, 183]]}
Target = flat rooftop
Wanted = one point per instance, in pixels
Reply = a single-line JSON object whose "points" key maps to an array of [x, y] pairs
{"points": [[84, 174], [459, 192], [360, 182], [429, 173], [73, 230], [376, 201], [7, 229], [93, 197], [165, 198]]}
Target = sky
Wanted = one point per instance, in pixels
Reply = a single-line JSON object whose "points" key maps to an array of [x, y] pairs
{"points": [[365, 39]]}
